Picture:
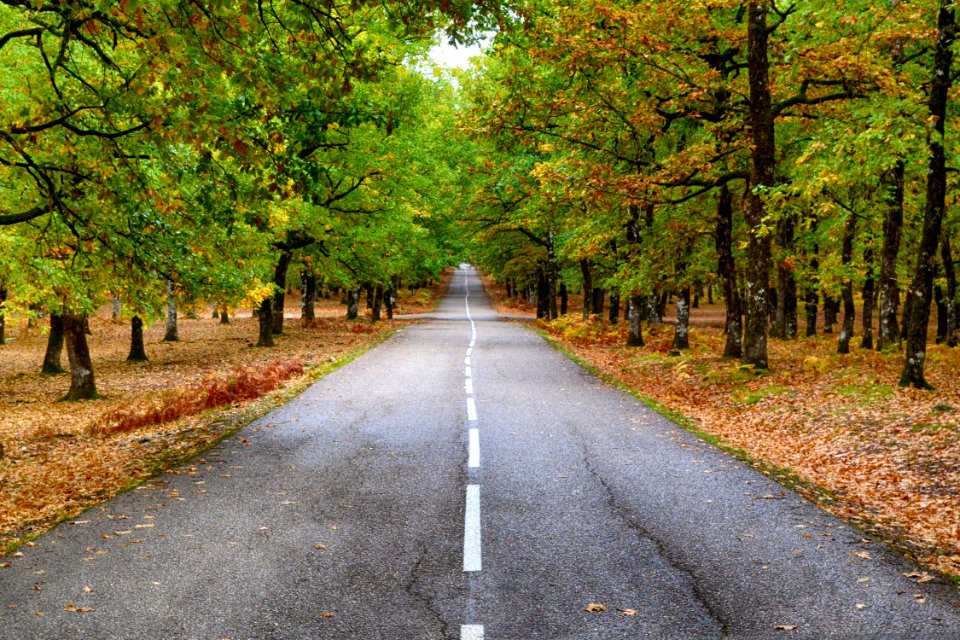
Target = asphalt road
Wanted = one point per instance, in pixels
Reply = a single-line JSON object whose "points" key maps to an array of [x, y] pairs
{"points": [[464, 480]]}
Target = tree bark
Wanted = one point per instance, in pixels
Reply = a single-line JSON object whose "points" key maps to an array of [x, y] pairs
{"points": [[940, 300], [892, 230], [224, 314], [280, 288], [922, 285], [138, 352], [614, 311], [681, 332], [587, 287], [309, 299], [52, 357], [377, 304], [727, 270], [762, 173], [265, 322], [564, 298], [597, 302], [543, 295], [866, 342], [353, 303], [171, 334], [3, 315], [946, 255], [846, 258], [785, 316], [82, 384], [831, 307], [635, 305], [810, 307]]}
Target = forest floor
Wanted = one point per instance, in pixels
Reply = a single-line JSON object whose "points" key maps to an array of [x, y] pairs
{"points": [[60, 458], [836, 428]]}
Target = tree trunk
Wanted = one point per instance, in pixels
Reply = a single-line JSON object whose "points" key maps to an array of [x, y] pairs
{"points": [[392, 296], [309, 298], [831, 307], [280, 287], [941, 302], [377, 304], [551, 272], [866, 342], [762, 173], [946, 255], [215, 314], [3, 315], [614, 314], [82, 385], [635, 305], [785, 316], [597, 302], [846, 258], [810, 307], [681, 332], [115, 314], [922, 285], [353, 303], [265, 321], [138, 352], [52, 357], [892, 230], [172, 334], [587, 287], [224, 314], [727, 270], [564, 298], [543, 295]]}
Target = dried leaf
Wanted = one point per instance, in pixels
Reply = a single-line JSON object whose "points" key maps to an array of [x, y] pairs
{"points": [[862, 554], [595, 607], [784, 627], [629, 612], [72, 607]]}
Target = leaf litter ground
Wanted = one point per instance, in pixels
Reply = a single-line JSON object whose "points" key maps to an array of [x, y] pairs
{"points": [[883, 457], [60, 458]]}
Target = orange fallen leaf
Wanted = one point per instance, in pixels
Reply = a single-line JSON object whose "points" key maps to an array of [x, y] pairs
{"points": [[595, 607], [327, 614], [72, 607]]}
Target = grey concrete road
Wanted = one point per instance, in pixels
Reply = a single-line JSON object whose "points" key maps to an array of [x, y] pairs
{"points": [[464, 480]]}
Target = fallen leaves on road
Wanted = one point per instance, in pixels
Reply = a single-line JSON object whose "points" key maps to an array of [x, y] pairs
{"points": [[784, 627], [72, 607], [595, 607]]}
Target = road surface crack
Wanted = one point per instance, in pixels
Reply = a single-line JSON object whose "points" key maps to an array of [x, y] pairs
{"points": [[413, 589], [677, 564]]}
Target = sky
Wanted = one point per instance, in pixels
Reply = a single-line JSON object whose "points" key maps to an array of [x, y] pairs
{"points": [[446, 55]]}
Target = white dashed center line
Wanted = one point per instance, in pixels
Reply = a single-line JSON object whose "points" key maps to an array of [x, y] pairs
{"points": [[468, 384], [471, 632], [471, 530], [471, 410]]}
